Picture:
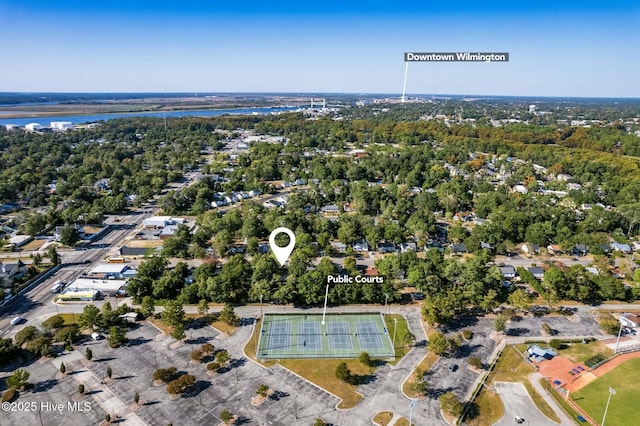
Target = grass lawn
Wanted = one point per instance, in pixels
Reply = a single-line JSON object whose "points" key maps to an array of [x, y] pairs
{"points": [[511, 367], [425, 365], [383, 418], [625, 379], [490, 408], [69, 318], [33, 245], [402, 421], [403, 339], [578, 352]]}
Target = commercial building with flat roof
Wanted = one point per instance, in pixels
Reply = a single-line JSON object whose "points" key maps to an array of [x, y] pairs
{"points": [[103, 287]]}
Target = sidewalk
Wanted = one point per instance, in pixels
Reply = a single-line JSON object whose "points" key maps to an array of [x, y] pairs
{"points": [[535, 381]]}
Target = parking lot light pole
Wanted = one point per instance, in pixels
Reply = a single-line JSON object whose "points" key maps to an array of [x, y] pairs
{"points": [[395, 325], [386, 297], [615, 351], [612, 391]]}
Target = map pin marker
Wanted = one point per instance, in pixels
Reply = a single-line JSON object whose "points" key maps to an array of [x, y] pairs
{"points": [[282, 253]]}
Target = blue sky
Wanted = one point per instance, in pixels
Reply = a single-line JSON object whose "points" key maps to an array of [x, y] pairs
{"points": [[574, 48]]}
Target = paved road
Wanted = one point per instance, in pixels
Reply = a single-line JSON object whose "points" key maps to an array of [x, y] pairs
{"points": [[518, 403]]}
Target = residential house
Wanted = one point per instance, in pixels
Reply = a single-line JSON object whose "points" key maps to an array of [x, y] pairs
{"points": [[339, 246], [580, 250], [10, 272], [407, 247], [531, 249], [386, 248], [458, 248], [508, 272], [360, 246], [331, 209], [629, 320], [554, 249], [625, 248], [537, 272]]}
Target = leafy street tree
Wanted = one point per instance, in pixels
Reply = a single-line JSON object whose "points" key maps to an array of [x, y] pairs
{"points": [[203, 307], [343, 373], [499, 323], [53, 255], [136, 398], [26, 334], [116, 337], [90, 317], [88, 354], [178, 332], [222, 356], [263, 390], [181, 384], [226, 416], [228, 316], [438, 344], [450, 403], [520, 299], [109, 372], [69, 235], [81, 388], [165, 374], [365, 359], [173, 313], [53, 323], [18, 380], [63, 368], [147, 307]]}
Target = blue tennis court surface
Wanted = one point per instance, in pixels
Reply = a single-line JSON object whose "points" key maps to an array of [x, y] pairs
{"points": [[342, 336]]}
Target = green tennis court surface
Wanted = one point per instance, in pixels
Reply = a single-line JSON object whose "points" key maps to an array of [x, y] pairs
{"points": [[342, 336]]}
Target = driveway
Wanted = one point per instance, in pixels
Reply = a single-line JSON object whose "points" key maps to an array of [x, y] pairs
{"points": [[517, 402]]}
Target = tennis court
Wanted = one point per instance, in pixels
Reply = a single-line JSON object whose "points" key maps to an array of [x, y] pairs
{"points": [[342, 336]]}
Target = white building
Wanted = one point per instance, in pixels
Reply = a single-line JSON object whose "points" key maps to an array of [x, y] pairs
{"points": [[157, 221], [103, 287], [33, 127], [112, 270], [61, 126]]}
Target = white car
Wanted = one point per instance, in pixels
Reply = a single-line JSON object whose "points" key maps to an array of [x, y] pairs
{"points": [[17, 320]]}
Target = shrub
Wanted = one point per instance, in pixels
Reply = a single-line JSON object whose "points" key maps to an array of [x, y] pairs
{"points": [[499, 323], [196, 355], [556, 344], [474, 361], [136, 398], [18, 380], [343, 373], [109, 372], [63, 369], [546, 328], [165, 374], [88, 354], [213, 366], [9, 395], [263, 390], [181, 384], [207, 348], [467, 334], [107, 418], [365, 359], [80, 388], [226, 415]]}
